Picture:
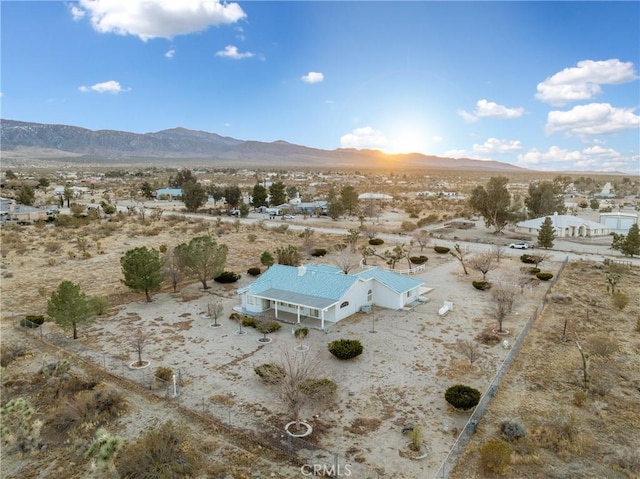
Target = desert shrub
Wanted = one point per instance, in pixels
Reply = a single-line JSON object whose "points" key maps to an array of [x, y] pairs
{"points": [[252, 237], [52, 246], [601, 384], [255, 271], [267, 327], [533, 271], [481, 285], [408, 226], [99, 305], [376, 241], [544, 276], [488, 337], [249, 322], [602, 345], [620, 300], [441, 249], [166, 374], [579, 398], [301, 333], [419, 259], [345, 348], [9, 352], [32, 321], [162, 452], [462, 397], [527, 259], [227, 277], [512, 430], [495, 456], [270, 373], [319, 389], [318, 252]]}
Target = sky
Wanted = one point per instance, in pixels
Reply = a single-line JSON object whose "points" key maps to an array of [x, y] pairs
{"points": [[550, 86]]}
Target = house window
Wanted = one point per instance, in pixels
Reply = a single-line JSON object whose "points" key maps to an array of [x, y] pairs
{"points": [[314, 313], [344, 305], [370, 296], [251, 300], [408, 294]]}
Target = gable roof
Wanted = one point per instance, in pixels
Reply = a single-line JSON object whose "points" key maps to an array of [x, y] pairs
{"points": [[306, 281], [397, 282], [562, 221]]}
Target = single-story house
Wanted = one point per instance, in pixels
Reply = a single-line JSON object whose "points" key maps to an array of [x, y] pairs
{"points": [[374, 196], [565, 226], [326, 293], [12, 211], [312, 207], [170, 193]]}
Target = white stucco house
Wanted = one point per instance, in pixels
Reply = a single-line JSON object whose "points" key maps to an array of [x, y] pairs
{"points": [[619, 222], [326, 293], [565, 226]]}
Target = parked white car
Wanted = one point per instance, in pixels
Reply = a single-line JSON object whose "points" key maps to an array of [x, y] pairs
{"points": [[519, 245], [288, 217]]}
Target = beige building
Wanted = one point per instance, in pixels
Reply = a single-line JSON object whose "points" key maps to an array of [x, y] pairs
{"points": [[565, 226]]}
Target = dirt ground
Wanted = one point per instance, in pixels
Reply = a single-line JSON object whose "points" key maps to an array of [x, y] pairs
{"points": [[407, 363]]}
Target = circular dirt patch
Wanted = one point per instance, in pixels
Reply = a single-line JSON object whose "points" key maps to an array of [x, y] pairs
{"points": [[298, 429], [139, 364]]}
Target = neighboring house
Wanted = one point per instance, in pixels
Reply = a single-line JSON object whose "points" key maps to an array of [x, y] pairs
{"points": [[619, 222], [12, 211], [565, 226], [374, 196], [325, 292], [170, 193], [312, 208]]}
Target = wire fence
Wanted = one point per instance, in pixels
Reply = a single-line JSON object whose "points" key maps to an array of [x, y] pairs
{"points": [[449, 463], [181, 391]]}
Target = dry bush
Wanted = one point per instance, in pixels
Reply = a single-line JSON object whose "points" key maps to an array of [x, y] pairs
{"points": [[602, 345], [620, 300], [628, 459], [363, 425], [9, 352], [200, 227], [495, 456], [601, 383], [561, 435], [163, 452], [579, 398], [52, 246], [488, 337]]}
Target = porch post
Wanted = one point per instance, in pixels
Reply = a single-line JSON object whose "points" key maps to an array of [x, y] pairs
{"points": [[322, 318], [298, 313], [276, 308]]}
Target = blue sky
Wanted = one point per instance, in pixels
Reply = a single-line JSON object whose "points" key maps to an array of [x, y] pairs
{"points": [[543, 85]]}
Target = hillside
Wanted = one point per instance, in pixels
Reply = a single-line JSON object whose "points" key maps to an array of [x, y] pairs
{"points": [[37, 141]]}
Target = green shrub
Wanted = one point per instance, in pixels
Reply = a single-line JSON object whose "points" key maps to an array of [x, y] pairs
{"points": [[376, 241], [99, 305], [234, 316], [254, 271], [227, 277], [318, 252], [267, 327], [301, 333], [270, 373], [527, 259], [462, 397], [441, 249], [534, 270], [166, 374], [544, 276], [495, 456], [481, 285], [32, 321], [345, 348], [249, 322], [419, 259], [512, 430]]}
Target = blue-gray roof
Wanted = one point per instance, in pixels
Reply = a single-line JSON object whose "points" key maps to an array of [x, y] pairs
{"points": [[169, 192], [317, 281], [397, 282]]}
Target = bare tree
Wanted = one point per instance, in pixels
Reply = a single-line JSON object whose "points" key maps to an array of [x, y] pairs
{"points": [[483, 263], [422, 238], [307, 239], [498, 252], [458, 254], [370, 231], [346, 260], [539, 258], [469, 349], [298, 368], [139, 340], [352, 239], [503, 297], [398, 253], [214, 311], [371, 209], [174, 268], [585, 363]]}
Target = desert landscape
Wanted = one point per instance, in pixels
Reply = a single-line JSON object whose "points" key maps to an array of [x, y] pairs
{"points": [[410, 356]]}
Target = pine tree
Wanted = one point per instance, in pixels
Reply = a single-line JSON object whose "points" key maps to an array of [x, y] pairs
{"points": [[631, 244], [142, 270], [69, 307], [546, 234]]}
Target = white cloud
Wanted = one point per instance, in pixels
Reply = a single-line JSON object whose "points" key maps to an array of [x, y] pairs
{"points": [[170, 53], [110, 86], [466, 116], [490, 109], [312, 77], [554, 155], [584, 81], [592, 119], [156, 18], [496, 146], [231, 51], [364, 137], [437, 139]]}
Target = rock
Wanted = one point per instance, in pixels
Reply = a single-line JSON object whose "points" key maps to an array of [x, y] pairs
{"points": [[599, 266], [560, 298]]}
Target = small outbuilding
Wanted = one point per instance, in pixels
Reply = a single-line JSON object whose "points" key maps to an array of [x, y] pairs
{"points": [[619, 222]]}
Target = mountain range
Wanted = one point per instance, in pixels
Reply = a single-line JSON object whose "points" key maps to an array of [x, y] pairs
{"points": [[181, 146]]}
